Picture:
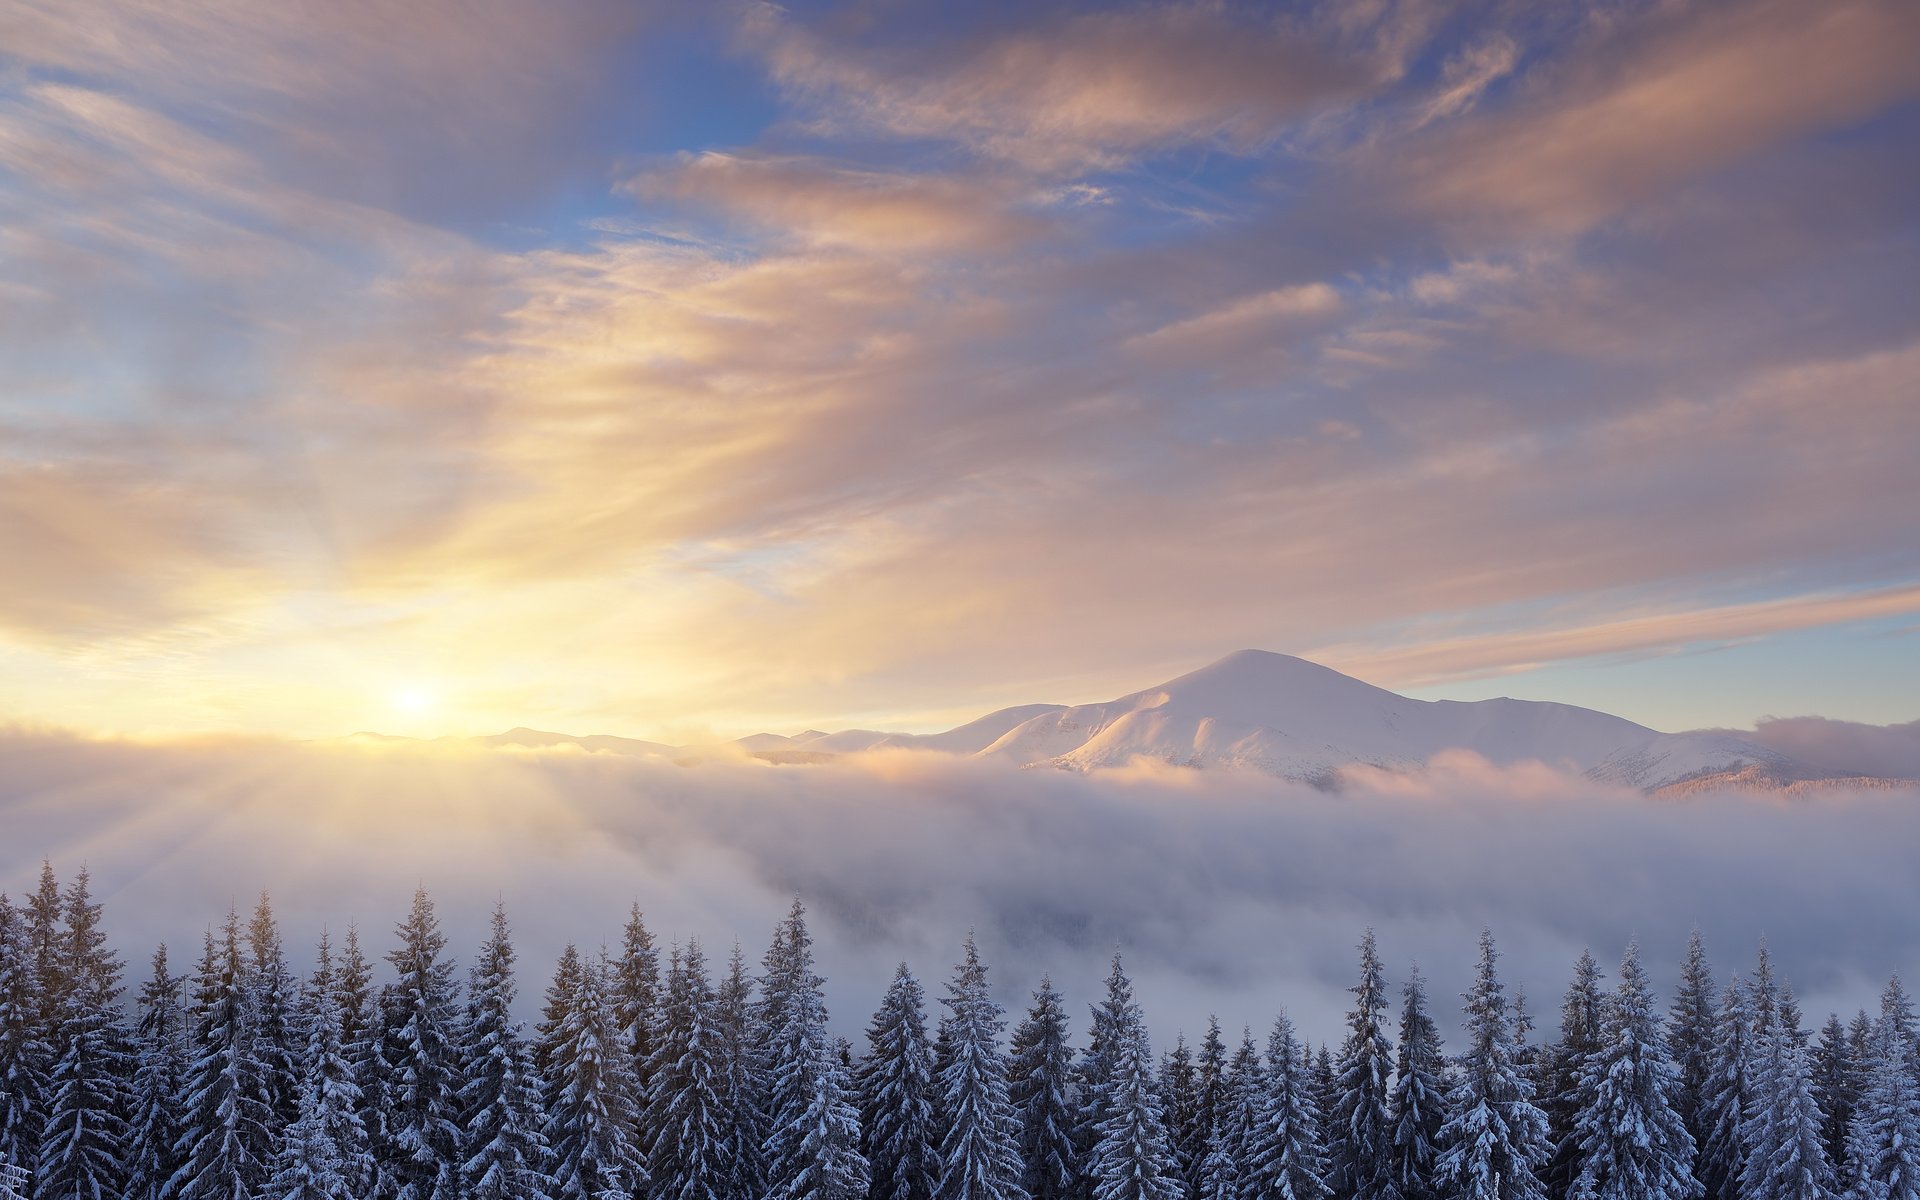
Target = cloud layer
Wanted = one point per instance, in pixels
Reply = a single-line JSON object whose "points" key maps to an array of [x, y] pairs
{"points": [[1227, 893]]}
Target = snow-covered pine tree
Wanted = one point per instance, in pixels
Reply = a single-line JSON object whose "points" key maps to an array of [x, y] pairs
{"points": [[813, 1134], [23, 1053], [1210, 1067], [742, 1087], [1039, 1088], [1727, 1097], [1245, 1099], [1129, 1161], [1417, 1104], [1326, 1086], [1495, 1140], [1631, 1140], [895, 1087], [324, 1154], [980, 1152], [1883, 1147], [1180, 1093], [1285, 1158], [635, 988], [44, 909], [1095, 1071], [503, 1153], [159, 1079], [1566, 1064], [83, 1146], [686, 1157], [271, 996], [1836, 1083], [225, 1148], [1361, 1166], [590, 1090], [1219, 1174], [1691, 1037], [359, 1012], [1786, 1151], [420, 1159]]}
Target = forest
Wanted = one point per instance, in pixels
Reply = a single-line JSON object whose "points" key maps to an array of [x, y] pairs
{"points": [[657, 1076]]}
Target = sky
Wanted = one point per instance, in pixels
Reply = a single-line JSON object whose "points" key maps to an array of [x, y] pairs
{"points": [[685, 369]]}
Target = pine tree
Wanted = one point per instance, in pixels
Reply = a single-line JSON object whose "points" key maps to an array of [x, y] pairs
{"points": [[1566, 1062], [44, 910], [359, 1013], [83, 1146], [686, 1159], [1130, 1158], [23, 1052], [1786, 1151], [1095, 1071], [1362, 1159], [1495, 1140], [1180, 1092], [1883, 1146], [895, 1086], [636, 993], [1631, 1141], [1836, 1083], [743, 1085], [159, 1080], [1245, 1100], [324, 1155], [1692, 1034], [271, 999], [225, 1146], [1726, 1098], [813, 1134], [1417, 1104], [1039, 1085], [1219, 1174], [590, 1091], [1284, 1158], [980, 1152], [420, 1158], [502, 1150], [1211, 1070]]}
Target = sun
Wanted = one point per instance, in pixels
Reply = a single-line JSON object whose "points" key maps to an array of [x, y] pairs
{"points": [[413, 701]]}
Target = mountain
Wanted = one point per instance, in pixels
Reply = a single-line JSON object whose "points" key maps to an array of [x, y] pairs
{"points": [[1285, 716]]}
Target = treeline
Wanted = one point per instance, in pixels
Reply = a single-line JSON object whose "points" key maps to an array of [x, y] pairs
{"points": [[684, 1080]]}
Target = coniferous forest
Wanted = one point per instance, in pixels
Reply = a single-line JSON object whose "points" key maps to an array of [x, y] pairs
{"points": [[678, 1077]]}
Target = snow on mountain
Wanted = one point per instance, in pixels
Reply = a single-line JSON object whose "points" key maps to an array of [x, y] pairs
{"points": [[1288, 717]]}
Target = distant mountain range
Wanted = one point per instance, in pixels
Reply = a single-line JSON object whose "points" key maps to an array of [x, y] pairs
{"points": [[1288, 717]]}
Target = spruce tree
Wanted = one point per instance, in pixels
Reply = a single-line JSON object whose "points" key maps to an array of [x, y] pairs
{"points": [[635, 988], [272, 1001], [225, 1146], [1180, 1093], [1219, 1174], [895, 1086], [1417, 1104], [1727, 1097], [1632, 1143], [813, 1134], [590, 1091], [23, 1052], [1836, 1083], [1210, 1068], [503, 1153], [1362, 1158], [420, 1159], [1284, 1157], [1692, 1037], [1246, 1099], [743, 1085], [1494, 1143], [1566, 1063], [1040, 1079], [324, 1154], [980, 1152], [1786, 1151], [686, 1158], [1883, 1146], [83, 1146], [1129, 1159], [1095, 1070], [159, 1080]]}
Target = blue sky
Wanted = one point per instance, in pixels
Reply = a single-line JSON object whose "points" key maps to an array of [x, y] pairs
{"points": [[672, 369]]}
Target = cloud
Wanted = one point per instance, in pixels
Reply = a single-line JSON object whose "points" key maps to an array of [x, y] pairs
{"points": [[1663, 103], [1888, 750], [1093, 90], [1228, 893], [830, 206]]}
